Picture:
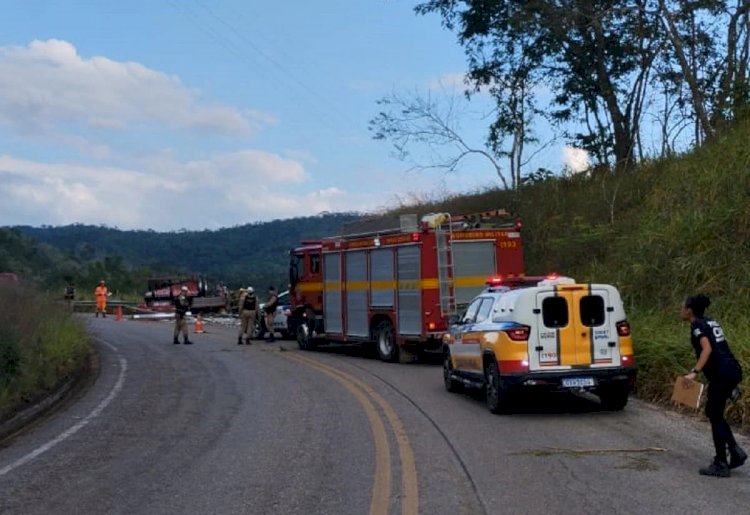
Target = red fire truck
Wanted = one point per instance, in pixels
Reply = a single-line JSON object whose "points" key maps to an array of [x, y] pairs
{"points": [[398, 286]]}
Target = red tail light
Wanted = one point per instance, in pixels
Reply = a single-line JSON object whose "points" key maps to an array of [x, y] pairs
{"points": [[623, 328], [518, 334]]}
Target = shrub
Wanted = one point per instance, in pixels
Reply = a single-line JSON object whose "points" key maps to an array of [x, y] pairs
{"points": [[41, 345]]}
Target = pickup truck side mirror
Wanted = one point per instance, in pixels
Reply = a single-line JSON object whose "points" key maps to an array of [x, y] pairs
{"points": [[455, 320]]}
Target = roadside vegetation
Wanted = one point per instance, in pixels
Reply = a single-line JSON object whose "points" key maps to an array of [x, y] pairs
{"points": [[660, 232], [41, 347]]}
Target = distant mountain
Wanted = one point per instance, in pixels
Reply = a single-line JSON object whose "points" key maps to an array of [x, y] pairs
{"points": [[248, 254]]}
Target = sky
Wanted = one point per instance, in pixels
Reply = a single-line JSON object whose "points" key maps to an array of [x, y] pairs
{"points": [[197, 114]]}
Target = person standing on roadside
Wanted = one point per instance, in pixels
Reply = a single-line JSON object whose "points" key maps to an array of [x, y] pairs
{"points": [[248, 314], [101, 293], [269, 309], [181, 308], [723, 372]]}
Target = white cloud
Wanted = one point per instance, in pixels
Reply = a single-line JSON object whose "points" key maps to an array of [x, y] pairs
{"points": [[575, 160], [161, 193], [47, 84]]}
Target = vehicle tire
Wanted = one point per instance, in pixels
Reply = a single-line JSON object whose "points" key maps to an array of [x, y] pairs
{"points": [[305, 341], [304, 338], [385, 342], [613, 398], [496, 393], [451, 384]]}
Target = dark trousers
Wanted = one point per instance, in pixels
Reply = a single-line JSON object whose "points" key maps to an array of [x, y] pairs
{"points": [[719, 391]]}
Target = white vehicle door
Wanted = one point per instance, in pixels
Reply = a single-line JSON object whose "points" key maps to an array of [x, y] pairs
{"points": [[595, 311], [466, 349], [552, 316]]}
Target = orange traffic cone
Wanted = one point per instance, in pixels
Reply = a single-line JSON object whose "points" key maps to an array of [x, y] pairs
{"points": [[119, 313], [199, 324]]}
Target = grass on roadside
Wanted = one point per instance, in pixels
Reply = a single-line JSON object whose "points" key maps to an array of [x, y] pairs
{"points": [[41, 345]]}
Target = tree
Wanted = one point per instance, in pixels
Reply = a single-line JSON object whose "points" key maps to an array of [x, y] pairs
{"points": [[594, 54], [708, 59], [414, 120]]}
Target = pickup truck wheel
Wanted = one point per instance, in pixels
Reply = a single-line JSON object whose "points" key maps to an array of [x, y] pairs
{"points": [[496, 394], [386, 342], [613, 398], [451, 384]]}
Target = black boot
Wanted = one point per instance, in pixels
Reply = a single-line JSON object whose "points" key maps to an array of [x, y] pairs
{"points": [[239, 340], [187, 342], [176, 341], [716, 468], [737, 457]]}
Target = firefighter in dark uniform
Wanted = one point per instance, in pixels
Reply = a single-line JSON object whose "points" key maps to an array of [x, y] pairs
{"points": [[723, 372], [269, 309], [181, 307], [248, 314]]}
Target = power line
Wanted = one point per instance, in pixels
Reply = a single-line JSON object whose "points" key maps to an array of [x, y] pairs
{"points": [[290, 77]]}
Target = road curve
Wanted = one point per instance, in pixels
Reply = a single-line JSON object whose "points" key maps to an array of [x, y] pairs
{"points": [[221, 428]]}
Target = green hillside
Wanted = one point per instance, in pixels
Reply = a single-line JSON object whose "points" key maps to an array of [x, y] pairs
{"points": [[660, 232], [247, 254]]}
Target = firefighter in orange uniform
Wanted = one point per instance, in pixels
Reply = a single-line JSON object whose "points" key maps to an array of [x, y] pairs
{"points": [[101, 293]]}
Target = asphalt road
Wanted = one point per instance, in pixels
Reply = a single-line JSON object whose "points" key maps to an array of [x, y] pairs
{"points": [[221, 428]]}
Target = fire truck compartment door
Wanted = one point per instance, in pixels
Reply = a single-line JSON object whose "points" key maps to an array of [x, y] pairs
{"points": [[332, 315], [355, 293], [382, 280], [409, 292], [473, 263]]}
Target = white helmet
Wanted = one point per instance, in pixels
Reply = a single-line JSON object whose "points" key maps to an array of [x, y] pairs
{"points": [[250, 289], [184, 288]]}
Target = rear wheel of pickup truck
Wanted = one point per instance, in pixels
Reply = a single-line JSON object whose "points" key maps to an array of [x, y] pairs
{"points": [[496, 394], [451, 384], [613, 398]]}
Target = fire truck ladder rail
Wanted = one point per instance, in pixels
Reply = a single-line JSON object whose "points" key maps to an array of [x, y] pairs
{"points": [[443, 241]]}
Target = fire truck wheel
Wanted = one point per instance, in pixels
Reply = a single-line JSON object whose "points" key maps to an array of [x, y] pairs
{"points": [[386, 342], [496, 393], [304, 339], [451, 384]]}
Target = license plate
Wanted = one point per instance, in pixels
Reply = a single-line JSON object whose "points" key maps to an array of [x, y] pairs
{"points": [[577, 382]]}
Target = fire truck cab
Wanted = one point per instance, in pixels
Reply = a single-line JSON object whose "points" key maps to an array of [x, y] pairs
{"points": [[397, 282]]}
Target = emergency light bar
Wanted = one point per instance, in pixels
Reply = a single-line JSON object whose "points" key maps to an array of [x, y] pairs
{"points": [[554, 279], [498, 281]]}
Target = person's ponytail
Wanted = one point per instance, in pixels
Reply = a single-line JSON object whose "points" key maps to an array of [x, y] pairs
{"points": [[698, 304]]}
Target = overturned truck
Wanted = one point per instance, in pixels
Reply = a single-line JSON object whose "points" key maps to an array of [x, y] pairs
{"points": [[162, 291]]}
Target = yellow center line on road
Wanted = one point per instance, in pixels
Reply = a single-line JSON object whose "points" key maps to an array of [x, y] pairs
{"points": [[381, 488], [409, 484]]}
